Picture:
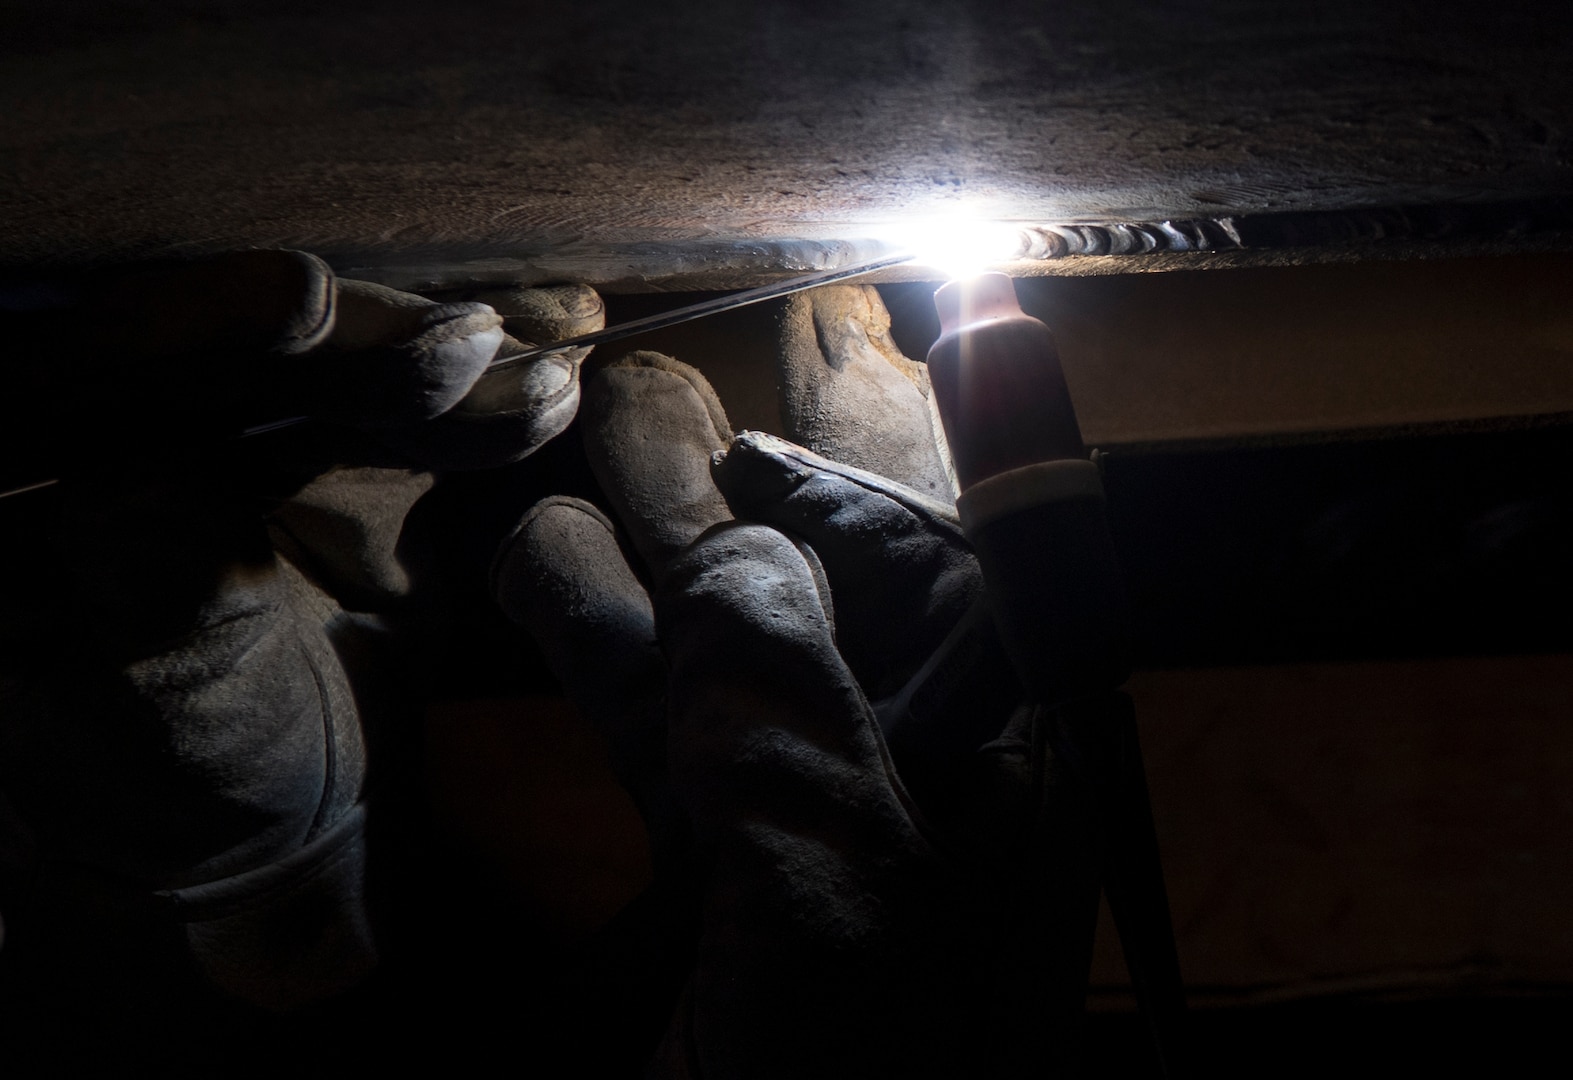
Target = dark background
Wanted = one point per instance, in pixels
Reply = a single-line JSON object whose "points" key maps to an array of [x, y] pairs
{"points": [[1336, 479]]}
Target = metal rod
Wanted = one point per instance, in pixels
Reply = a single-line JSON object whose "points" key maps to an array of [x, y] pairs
{"points": [[25, 488], [713, 306], [659, 321]]}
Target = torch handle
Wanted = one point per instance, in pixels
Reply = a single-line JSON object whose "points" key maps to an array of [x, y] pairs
{"points": [[1042, 539], [1055, 591]]}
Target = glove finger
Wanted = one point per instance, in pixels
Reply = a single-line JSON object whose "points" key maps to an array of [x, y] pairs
{"points": [[541, 316], [562, 576], [900, 568], [513, 408], [395, 358], [346, 529], [274, 302], [651, 425], [752, 654], [833, 931], [849, 394], [347, 526]]}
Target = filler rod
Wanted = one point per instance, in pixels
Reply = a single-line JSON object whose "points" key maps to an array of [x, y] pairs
{"points": [[658, 321], [714, 306]]}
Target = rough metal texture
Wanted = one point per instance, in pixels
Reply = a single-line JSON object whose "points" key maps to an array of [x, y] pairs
{"points": [[453, 131]]}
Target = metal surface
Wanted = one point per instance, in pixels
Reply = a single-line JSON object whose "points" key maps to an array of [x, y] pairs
{"points": [[372, 130]]}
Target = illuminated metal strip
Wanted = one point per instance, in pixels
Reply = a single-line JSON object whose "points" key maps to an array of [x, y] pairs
{"points": [[622, 330]]}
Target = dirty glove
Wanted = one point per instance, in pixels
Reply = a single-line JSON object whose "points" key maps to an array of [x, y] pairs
{"points": [[185, 691], [849, 927]]}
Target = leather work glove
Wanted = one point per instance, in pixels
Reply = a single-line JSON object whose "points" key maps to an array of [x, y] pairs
{"points": [[788, 657], [187, 681]]}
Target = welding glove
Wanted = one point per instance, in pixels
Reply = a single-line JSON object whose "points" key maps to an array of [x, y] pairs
{"points": [[1004, 789], [849, 394], [185, 692], [568, 574], [780, 799], [988, 782], [846, 930]]}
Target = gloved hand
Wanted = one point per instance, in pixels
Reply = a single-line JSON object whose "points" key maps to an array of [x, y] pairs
{"points": [[736, 632], [185, 690]]}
